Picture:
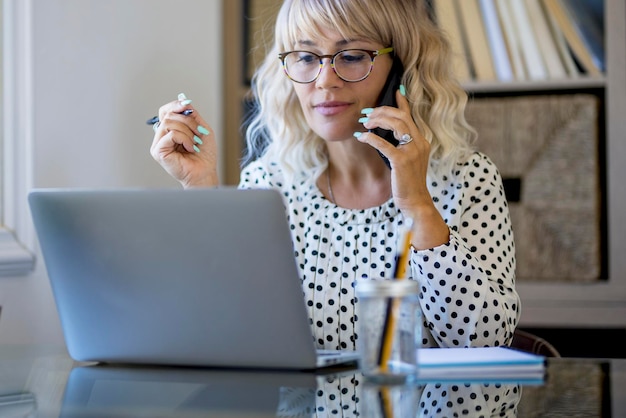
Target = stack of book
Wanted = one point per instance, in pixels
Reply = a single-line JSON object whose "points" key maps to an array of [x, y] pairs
{"points": [[524, 40]]}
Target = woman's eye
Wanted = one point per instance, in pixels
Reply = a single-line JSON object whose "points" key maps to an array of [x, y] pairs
{"points": [[351, 58], [307, 58]]}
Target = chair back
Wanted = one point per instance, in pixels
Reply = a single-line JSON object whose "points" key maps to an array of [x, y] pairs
{"points": [[526, 341]]}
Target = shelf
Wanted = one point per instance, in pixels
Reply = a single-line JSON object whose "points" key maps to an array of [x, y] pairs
{"points": [[581, 83]]}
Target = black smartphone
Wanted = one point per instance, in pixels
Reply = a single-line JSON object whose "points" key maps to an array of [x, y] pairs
{"points": [[387, 97]]}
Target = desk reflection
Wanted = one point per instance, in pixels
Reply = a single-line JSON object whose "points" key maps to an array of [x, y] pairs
{"points": [[174, 392], [352, 396]]}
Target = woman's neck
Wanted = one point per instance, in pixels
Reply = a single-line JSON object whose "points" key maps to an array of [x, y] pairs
{"points": [[356, 181]]}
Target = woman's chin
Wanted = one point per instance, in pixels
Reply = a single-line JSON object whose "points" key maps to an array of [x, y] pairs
{"points": [[339, 138]]}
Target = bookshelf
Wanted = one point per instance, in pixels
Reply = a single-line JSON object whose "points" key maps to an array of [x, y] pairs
{"points": [[600, 303]]}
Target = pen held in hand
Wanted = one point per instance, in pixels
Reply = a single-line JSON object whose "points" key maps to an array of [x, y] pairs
{"points": [[155, 119]]}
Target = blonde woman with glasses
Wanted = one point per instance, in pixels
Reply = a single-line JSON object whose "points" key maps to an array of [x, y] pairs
{"points": [[314, 138]]}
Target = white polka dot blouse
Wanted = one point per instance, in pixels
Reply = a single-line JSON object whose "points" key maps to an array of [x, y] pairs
{"points": [[467, 295]]}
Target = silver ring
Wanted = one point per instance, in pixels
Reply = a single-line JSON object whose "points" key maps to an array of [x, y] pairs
{"points": [[405, 139]]}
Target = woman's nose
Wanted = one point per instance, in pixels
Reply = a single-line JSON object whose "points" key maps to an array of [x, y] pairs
{"points": [[327, 77]]}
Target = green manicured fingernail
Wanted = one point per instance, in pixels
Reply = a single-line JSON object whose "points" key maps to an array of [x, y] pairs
{"points": [[203, 130], [197, 139], [357, 134], [367, 110], [186, 102], [181, 96], [363, 120], [196, 149], [402, 90]]}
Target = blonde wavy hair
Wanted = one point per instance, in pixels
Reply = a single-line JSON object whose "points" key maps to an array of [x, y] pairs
{"points": [[278, 126]]}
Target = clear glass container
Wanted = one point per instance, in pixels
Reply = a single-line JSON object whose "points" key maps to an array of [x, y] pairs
{"points": [[388, 328]]}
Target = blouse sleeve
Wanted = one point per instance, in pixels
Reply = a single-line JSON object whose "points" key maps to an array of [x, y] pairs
{"points": [[468, 294]]}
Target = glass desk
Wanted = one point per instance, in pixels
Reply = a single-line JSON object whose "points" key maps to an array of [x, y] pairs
{"points": [[45, 382]]}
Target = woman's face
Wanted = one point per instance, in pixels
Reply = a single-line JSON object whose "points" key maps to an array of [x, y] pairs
{"points": [[332, 106]]}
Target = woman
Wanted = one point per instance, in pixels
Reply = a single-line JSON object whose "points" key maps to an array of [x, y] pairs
{"points": [[345, 206]]}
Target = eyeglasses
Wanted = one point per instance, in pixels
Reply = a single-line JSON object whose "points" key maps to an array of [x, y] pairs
{"points": [[350, 65]]}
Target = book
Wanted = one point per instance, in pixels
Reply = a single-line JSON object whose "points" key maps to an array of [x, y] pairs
{"points": [[527, 42], [546, 41], [588, 19], [511, 39], [565, 53], [448, 20], [478, 47], [576, 43], [495, 38], [500, 364]]}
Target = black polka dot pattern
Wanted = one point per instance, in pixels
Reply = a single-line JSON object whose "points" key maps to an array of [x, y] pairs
{"points": [[348, 396], [467, 285]]}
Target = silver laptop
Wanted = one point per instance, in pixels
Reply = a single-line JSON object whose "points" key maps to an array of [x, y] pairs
{"points": [[177, 277]]}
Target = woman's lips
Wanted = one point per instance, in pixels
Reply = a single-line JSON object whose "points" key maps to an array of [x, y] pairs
{"points": [[331, 108]]}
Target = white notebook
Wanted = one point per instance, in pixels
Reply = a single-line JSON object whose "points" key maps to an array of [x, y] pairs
{"points": [[481, 363]]}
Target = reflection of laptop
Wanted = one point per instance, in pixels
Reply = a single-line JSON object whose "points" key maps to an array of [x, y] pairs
{"points": [[182, 277], [181, 392]]}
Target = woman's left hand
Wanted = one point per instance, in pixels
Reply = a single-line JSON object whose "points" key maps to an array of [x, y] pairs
{"points": [[409, 167]]}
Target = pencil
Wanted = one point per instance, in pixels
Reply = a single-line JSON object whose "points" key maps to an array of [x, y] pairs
{"points": [[404, 251], [392, 306], [386, 404]]}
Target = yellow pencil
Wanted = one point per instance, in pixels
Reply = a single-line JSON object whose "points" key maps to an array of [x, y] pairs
{"points": [[386, 402], [390, 316]]}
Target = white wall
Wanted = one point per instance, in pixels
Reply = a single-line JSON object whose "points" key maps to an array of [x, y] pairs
{"points": [[100, 69]]}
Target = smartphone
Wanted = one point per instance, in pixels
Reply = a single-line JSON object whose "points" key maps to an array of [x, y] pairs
{"points": [[387, 97]]}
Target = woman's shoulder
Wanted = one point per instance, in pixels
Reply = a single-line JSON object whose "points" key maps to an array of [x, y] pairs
{"points": [[474, 164], [261, 165], [261, 172], [477, 158], [477, 171], [266, 172], [473, 168]]}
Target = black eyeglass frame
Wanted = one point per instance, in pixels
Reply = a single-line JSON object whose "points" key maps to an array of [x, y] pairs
{"points": [[372, 54]]}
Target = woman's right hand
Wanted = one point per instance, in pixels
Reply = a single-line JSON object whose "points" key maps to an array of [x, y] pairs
{"points": [[185, 146]]}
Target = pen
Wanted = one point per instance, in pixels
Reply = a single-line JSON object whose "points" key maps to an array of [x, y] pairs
{"points": [[155, 119]]}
